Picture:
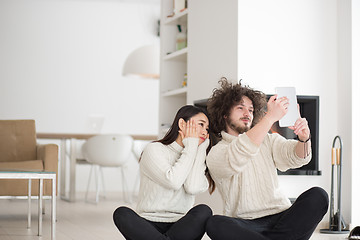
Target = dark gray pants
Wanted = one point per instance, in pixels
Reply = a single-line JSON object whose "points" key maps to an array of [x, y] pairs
{"points": [[296, 223], [189, 227]]}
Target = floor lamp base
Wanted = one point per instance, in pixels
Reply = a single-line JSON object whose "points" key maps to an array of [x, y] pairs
{"points": [[329, 231]]}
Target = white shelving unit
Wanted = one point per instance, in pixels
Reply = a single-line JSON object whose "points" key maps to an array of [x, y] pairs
{"points": [[176, 92], [211, 53], [180, 55], [173, 65], [178, 18]]}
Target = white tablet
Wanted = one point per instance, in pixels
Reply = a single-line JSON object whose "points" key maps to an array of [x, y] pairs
{"points": [[293, 113]]}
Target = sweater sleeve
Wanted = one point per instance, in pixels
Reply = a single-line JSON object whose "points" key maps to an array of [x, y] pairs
{"points": [[226, 160], [284, 153], [197, 182], [157, 165]]}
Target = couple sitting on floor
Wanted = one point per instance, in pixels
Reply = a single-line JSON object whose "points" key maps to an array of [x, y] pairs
{"points": [[242, 165]]}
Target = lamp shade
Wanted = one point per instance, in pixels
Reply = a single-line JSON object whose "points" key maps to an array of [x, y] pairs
{"points": [[143, 62]]}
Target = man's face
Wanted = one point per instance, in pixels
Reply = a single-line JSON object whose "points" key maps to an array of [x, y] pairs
{"points": [[240, 117]]}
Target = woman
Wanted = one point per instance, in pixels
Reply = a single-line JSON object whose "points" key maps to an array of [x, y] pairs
{"points": [[172, 173]]}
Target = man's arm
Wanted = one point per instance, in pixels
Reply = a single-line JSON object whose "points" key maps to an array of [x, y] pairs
{"points": [[277, 108], [303, 149], [302, 130], [284, 152]]}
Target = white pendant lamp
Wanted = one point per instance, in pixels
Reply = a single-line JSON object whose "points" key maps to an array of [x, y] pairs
{"points": [[143, 62]]}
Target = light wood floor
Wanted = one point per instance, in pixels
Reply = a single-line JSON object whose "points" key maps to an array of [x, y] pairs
{"points": [[78, 221]]}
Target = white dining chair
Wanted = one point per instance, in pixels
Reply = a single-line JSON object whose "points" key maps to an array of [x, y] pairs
{"points": [[138, 148], [112, 150]]}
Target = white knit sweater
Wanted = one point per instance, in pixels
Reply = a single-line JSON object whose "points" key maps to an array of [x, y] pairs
{"points": [[246, 176], [170, 177]]}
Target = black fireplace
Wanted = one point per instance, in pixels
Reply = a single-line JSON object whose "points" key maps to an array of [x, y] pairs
{"points": [[309, 109]]}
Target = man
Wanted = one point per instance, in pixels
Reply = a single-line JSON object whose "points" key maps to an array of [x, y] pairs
{"points": [[243, 165]]}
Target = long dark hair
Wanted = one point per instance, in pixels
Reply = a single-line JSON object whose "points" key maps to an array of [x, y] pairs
{"points": [[186, 112]]}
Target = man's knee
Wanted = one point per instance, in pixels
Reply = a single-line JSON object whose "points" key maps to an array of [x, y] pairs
{"points": [[320, 194], [213, 222], [319, 198]]}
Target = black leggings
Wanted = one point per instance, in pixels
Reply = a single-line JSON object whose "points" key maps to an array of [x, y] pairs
{"points": [[296, 223], [189, 227]]}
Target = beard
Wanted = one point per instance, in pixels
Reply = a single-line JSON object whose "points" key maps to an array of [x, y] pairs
{"points": [[236, 127]]}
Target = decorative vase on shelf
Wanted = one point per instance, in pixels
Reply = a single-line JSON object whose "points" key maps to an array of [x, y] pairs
{"points": [[181, 41]]}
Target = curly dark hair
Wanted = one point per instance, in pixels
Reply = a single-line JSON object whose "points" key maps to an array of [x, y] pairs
{"points": [[226, 97]]}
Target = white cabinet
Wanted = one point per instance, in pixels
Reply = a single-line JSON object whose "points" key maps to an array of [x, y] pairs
{"points": [[211, 28], [173, 63]]}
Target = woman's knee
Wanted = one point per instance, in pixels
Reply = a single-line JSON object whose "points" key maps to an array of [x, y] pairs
{"points": [[202, 211], [205, 209], [121, 214]]}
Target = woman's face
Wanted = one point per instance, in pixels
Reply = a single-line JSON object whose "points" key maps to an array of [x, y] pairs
{"points": [[202, 123]]}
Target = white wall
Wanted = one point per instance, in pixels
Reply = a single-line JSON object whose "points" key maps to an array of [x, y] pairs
{"points": [[212, 36], [61, 63], [285, 43], [294, 45], [297, 45], [355, 167], [291, 44], [344, 85], [304, 44]]}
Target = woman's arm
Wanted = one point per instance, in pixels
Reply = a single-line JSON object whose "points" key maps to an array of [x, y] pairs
{"points": [[156, 163], [197, 182]]}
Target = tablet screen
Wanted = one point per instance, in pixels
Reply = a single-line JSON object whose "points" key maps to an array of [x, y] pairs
{"points": [[293, 113]]}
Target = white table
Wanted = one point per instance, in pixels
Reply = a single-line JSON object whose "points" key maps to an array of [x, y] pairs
{"points": [[71, 196], [10, 174]]}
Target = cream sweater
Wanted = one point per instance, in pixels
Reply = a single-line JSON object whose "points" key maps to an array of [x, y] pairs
{"points": [[246, 176], [170, 177]]}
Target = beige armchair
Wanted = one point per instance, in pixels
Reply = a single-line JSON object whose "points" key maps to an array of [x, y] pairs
{"points": [[20, 151]]}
